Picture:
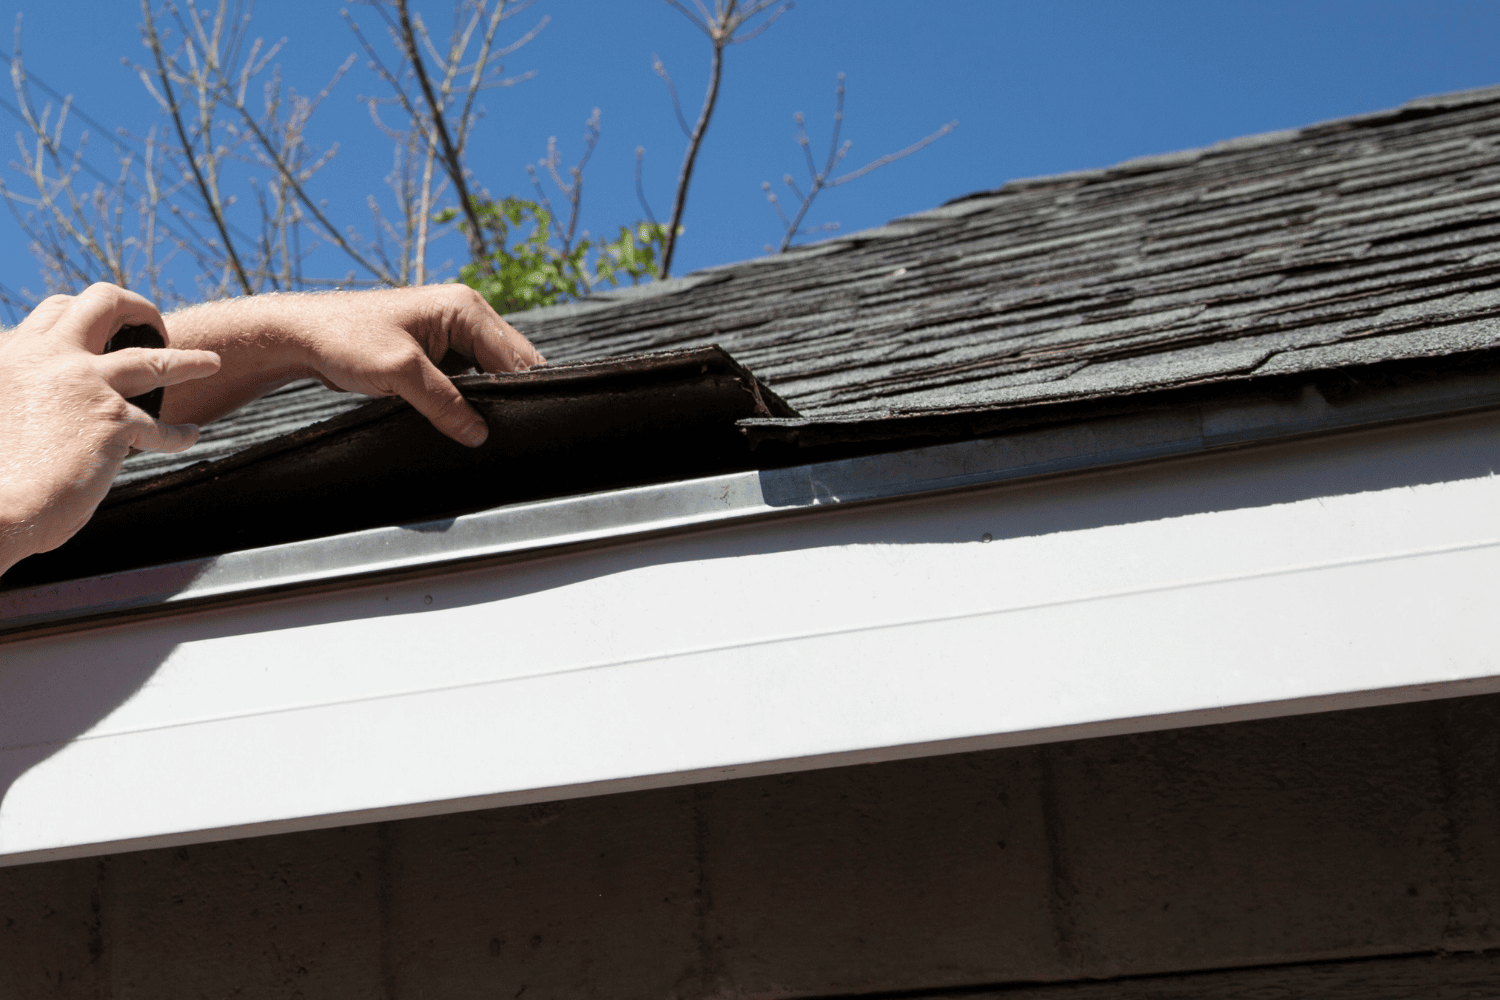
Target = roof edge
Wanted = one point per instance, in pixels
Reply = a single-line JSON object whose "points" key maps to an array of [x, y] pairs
{"points": [[571, 523], [1153, 162]]}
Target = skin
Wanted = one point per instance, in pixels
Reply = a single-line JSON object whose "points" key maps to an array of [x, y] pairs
{"points": [[65, 426]]}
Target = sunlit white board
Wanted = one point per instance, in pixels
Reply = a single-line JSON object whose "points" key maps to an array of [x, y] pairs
{"points": [[1339, 572]]}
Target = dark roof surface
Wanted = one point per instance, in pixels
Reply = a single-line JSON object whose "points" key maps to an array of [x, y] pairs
{"points": [[1345, 243], [571, 429]]}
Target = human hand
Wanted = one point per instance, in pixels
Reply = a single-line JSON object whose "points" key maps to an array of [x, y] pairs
{"points": [[385, 342], [65, 426]]}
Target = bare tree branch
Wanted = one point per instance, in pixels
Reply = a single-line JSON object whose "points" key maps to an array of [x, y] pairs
{"points": [[295, 186], [722, 26], [570, 186], [640, 191], [661, 71], [822, 179], [425, 93], [210, 198], [893, 157], [760, 28], [447, 151], [685, 178]]}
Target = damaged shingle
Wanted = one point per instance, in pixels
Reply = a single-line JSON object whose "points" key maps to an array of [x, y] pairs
{"points": [[558, 430], [1344, 243]]}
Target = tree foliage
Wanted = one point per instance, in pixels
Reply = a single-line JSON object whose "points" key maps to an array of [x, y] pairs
{"points": [[526, 267], [222, 193]]}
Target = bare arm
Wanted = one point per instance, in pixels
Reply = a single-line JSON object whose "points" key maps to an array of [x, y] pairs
{"points": [[382, 343], [65, 426]]}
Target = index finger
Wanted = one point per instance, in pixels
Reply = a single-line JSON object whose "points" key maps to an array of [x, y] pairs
{"points": [[433, 394], [137, 370], [99, 312], [489, 340]]}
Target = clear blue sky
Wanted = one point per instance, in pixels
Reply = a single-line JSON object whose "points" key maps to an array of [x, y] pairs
{"points": [[1037, 88]]}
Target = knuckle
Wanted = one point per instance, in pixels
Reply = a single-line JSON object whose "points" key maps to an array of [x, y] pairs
{"points": [[454, 291], [103, 289], [404, 361], [463, 299], [115, 410]]}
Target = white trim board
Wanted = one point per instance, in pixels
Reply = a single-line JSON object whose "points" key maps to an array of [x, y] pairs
{"points": [[1259, 582]]}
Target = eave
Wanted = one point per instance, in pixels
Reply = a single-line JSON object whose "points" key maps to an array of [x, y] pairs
{"points": [[1226, 560]]}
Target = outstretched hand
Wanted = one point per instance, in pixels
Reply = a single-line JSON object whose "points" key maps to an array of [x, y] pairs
{"points": [[65, 425], [387, 342]]}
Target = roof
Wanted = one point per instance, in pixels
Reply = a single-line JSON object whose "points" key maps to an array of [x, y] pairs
{"points": [[1347, 246], [570, 429], [1356, 240]]}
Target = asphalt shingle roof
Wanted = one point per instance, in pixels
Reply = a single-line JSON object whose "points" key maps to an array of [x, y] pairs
{"points": [[1344, 243]]}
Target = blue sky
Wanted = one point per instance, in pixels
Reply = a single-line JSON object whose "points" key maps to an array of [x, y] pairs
{"points": [[1037, 88]]}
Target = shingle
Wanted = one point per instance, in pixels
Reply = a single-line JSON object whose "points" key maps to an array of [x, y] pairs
{"points": [[285, 410], [1342, 243], [1472, 335]]}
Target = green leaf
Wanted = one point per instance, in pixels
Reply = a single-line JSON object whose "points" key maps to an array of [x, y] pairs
{"points": [[533, 271]]}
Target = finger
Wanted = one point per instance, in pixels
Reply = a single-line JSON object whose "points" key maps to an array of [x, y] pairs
{"points": [[499, 347], [495, 344], [99, 311], [148, 434], [435, 396], [138, 370]]}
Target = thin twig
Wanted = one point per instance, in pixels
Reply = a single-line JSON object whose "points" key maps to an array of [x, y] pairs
{"points": [[722, 26], [760, 28], [822, 180], [685, 178], [296, 188], [893, 157], [640, 192], [215, 209], [449, 153], [661, 70]]}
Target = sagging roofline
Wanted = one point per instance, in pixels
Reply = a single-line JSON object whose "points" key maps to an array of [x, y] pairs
{"points": [[528, 530]]}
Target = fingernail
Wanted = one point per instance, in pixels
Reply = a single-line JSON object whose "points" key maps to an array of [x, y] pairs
{"points": [[476, 434]]}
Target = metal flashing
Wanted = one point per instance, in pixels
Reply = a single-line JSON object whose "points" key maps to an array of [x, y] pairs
{"points": [[537, 528], [559, 430]]}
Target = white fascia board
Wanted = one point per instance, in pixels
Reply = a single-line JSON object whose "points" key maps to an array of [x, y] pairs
{"points": [[1333, 572]]}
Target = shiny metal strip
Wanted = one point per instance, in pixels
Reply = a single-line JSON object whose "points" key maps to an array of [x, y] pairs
{"points": [[621, 514]]}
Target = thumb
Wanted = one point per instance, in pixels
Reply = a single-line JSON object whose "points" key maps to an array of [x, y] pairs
{"points": [[145, 433]]}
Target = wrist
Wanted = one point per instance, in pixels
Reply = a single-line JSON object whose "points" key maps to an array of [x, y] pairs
{"points": [[259, 337], [263, 343], [17, 537]]}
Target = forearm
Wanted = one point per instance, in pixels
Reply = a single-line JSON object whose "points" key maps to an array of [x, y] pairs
{"points": [[380, 342], [259, 343]]}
